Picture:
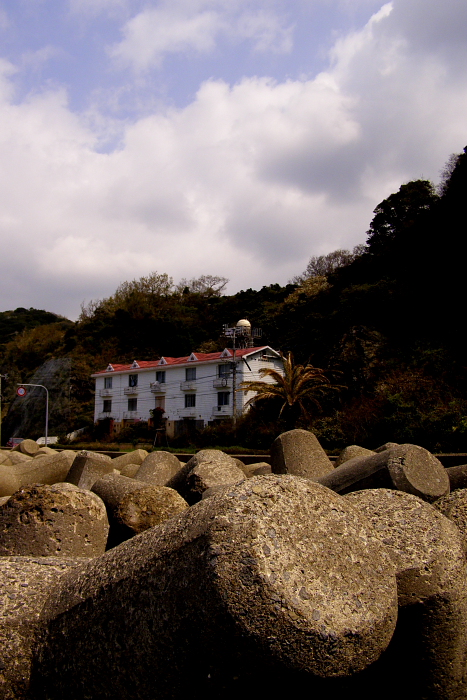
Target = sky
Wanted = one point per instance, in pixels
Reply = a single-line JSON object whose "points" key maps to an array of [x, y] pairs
{"points": [[222, 137]]}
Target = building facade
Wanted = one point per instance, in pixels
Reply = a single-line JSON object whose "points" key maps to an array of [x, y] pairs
{"points": [[199, 388]]}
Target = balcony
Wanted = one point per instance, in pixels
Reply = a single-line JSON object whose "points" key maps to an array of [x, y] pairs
{"points": [[131, 390], [222, 410], [188, 412], [130, 415], [106, 392], [188, 386], [222, 383], [157, 387], [104, 414]]}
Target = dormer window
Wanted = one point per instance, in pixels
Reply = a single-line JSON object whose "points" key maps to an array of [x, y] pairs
{"points": [[135, 365], [109, 368]]}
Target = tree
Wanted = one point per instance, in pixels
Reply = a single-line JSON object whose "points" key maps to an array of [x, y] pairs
{"points": [[324, 265], [297, 389]]}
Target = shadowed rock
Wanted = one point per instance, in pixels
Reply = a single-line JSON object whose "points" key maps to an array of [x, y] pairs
{"points": [[408, 468], [25, 583], [386, 446], [457, 476], [454, 507], [43, 470], [205, 469], [257, 469], [134, 506], [43, 520], [130, 470], [298, 452], [427, 656], [276, 574]]}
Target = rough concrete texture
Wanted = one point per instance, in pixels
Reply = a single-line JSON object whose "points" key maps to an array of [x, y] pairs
{"points": [[130, 470], [457, 477], [44, 520], [87, 468], [45, 451], [133, 457], [298, 452], [3, 499], [428, 653], [158, 468], [454, 507], [25, 583], [3, 456], [257, 469], [386, 446], [17, 458], [350, 452], [27, 447], [276, 574], [134, 506], [216, 472], [212, 457], [43, 470], [408, 468]]}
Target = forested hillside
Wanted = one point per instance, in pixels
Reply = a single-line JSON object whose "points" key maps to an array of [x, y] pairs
{"points": [[387, 315]]}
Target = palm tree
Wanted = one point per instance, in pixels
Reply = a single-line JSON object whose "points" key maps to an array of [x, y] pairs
{"points": [[297, 388]]}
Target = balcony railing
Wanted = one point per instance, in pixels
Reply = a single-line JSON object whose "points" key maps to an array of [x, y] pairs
{"points": [[188, 386], [131, 390], [106, 392], [104, 414], [222, 382], [188, 412], [130, 415], [222, 410], [158, 387]]}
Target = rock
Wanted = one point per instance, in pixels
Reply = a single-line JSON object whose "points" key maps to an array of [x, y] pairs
{"points": [[350, 452], [457, 476], [426, 658], [454, 507], [87, 468], [130, 470], [3, 499], [43, 520], [216, 467], [276, 575], [4, 457], [134, 506], [45, 451], [25, 583], [27, 447], [133, 457], [257, 469], [158, 468], [408, 468], [17, 458], [44, 470], [298, 452], [386, 446]]}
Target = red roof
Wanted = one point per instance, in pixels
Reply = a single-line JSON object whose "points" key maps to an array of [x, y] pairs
{"points": [[170, 361]]}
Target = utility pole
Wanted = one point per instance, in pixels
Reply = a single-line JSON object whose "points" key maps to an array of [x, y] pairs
{"points": [[2, 376], [245, 333]]}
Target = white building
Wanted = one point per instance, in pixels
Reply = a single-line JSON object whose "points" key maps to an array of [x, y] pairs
{"points": [[194, 388]]}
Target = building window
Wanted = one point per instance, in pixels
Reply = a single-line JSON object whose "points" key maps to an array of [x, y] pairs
{"points": [[160, 377], [223, 398], [223, 370], [190, 374], [108, 382], [190, 400], [132, 404], [107, 408], [133, 380]]}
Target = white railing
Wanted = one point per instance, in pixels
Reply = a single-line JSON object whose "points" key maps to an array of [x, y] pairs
{"points": [[187, 412], [188, 386], [222, 410], [104, 414], [157, 387], [106, 392], [127, 415], [222, 383], [130, 390]]}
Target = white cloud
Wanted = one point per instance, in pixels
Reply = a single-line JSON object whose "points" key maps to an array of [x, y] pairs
{"points": [[180, 27], [246, 181]]}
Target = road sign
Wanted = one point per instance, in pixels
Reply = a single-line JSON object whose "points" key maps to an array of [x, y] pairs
{"points": [[21, 391]]}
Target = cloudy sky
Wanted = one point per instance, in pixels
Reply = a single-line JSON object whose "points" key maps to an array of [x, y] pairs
{"points": [[222, 137]]}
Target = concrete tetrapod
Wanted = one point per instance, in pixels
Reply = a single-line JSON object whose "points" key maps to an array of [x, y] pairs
{"points": [[87, 468], [158, 468], [298, 452], [42, 470], [454, 507], [427, 656], [207, 468], [25, 583], [275, 574], [43, 520], [408, 468]]}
